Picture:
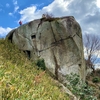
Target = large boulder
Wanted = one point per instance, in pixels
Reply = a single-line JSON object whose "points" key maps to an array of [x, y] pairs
{"points": [[57, 40]]}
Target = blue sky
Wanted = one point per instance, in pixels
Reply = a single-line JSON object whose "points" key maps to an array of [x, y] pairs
{"points": [[86, 12], [10, 12]]}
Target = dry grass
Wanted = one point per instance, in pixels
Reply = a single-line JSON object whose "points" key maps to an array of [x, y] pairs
{"points": [[21, 80]]}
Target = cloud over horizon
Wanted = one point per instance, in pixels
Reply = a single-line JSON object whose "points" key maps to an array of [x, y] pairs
{"points": [[4, 31], [86, 12], [16, 7]]}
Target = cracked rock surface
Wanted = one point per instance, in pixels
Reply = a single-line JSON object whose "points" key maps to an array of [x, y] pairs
{"points": [[57, 40]]}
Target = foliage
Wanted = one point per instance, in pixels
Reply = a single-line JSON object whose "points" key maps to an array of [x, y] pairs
{"points": [[48, 15], [20, 80], [41, 64], [96, 80], [93, 80], [79, 88]]}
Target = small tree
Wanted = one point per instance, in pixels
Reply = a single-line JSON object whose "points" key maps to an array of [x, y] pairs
{"points": [[92, 49], [47, 15]]}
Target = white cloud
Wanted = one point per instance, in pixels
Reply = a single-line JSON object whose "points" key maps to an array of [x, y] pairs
{"points": [[4, 31], [7, 5], [29, 14], [97, 66], [16, 8], [57, 8], [16, 5], [98, 3], [86, 12], [15, 2], [11, 14]]}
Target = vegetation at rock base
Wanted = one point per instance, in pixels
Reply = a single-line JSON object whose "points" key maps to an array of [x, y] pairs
{"points": [[93, 80], [82, 90], [21, 80], [96, 80], [91, 53], [41, 64]]}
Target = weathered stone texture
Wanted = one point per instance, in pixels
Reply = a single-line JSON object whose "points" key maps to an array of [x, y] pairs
{"points": [[58, 41]]}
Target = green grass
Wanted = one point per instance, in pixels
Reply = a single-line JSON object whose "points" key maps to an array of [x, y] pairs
{"points": [[21, 80]]}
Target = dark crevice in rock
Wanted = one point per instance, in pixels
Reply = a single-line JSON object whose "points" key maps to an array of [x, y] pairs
{"points": [[78, 35], [54, 44], [57, 42], [10, 35], [72, 36], [33, 37], [44, 20], [41, 21], [53, 33], [28, 53], [56, 66], [58, 27], [46, 48], [49, 20]]}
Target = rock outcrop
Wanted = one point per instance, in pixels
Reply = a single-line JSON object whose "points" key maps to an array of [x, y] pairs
{"points": [[57, 40]]}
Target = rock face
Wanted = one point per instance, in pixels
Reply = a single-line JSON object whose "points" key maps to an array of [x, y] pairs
{"points": [[57, 40]]}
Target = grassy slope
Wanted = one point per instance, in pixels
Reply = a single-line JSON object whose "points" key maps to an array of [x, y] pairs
{"points": [[20, 79]]}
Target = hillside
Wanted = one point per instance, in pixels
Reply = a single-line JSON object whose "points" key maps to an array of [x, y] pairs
{"points": [[20, 79]]}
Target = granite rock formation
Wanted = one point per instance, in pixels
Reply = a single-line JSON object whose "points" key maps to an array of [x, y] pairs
{"points": [[57, 40]]}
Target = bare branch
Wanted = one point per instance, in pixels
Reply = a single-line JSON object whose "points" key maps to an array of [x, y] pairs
{"points": [[47, 15], [92, 47]]}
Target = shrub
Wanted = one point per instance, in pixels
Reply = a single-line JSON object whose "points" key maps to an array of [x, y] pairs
{"points": [[96, 80], [41, 64], [79, 88], [48, 15]]}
